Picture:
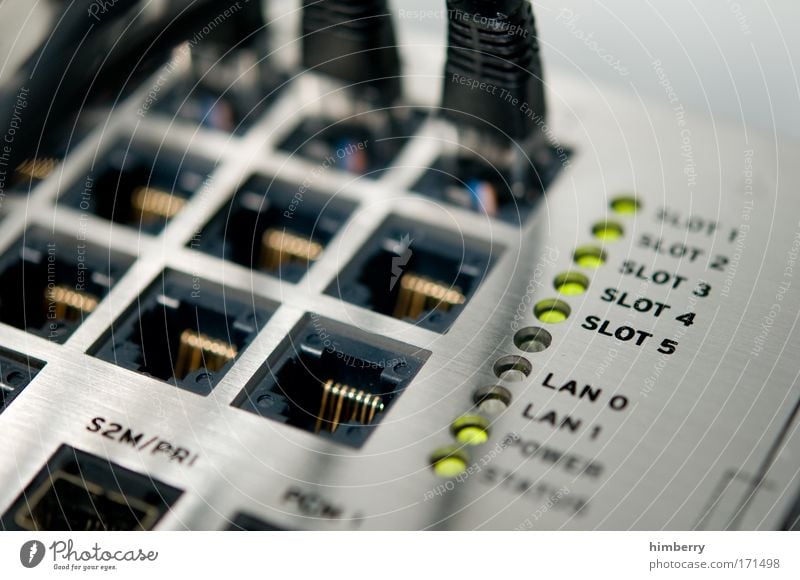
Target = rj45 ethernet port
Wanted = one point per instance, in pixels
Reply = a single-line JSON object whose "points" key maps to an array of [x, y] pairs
{"points": [[16, 372], [332, 380], [225, 90], [243, 522], [78, 491], [415, 273], [51, 283], [54, 147], [184, 331], [140, 186], [274, 227], [360, 142], [497, 189]]}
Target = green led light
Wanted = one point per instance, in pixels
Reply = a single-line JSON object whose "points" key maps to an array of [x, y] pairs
{"points": [[607, 231], [552, 311], [471, 430], [625, 205], [590, 257], [449, 462], [571, 283]]}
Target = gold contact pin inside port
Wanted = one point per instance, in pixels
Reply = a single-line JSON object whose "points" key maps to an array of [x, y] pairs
{"points": [[37, 168], [64, 303], [279, 247], [418, 294], [91, 507], [150, 204], [198, 350], [341, 403]]}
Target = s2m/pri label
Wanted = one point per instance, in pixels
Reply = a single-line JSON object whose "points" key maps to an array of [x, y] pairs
{"points": [[141, 441]]}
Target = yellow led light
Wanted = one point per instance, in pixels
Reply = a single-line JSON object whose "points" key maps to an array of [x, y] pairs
{"points": [[571, 283], [607, 231], [449, 466], [625, 205], [449, 462], [552, 316], [552, 311], [570, 289], [471, 430], [589, 257], [472, 436]]}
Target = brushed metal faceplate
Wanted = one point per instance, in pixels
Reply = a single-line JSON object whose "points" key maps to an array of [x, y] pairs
{"points": [[705, 437]]}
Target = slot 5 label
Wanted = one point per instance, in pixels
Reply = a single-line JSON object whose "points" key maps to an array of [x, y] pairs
{"points": [[628, 334]]}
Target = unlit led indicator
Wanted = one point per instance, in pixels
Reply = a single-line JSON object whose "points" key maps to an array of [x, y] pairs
{"points": [[512, 368], [625, 205], [492, 400], [590, 257], [449, 461], [532, 339]]}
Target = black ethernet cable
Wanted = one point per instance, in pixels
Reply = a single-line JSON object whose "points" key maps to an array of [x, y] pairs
{"points": [[353, 41], [493, 77], [99, 47]]}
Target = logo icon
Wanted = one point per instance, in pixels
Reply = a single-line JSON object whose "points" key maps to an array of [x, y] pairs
{"points": [[31, 553], [400, 260]]}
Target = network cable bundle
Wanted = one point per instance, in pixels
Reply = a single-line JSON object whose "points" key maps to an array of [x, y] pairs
{"points": [[275, 266]]}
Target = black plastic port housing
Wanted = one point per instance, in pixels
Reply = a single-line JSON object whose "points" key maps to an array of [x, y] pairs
{"points": [[225, 90], [16, 372], [52, 282], [332, 380], [363, 144], [274, 227], [416, 273], [185, 331], [243, 522], [78, 491], [138, 185], [52, 150], [476, 185]]}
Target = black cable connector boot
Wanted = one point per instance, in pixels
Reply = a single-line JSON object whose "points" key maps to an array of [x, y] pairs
{"points": [[504, 156], [353, 41], [493, 79]]}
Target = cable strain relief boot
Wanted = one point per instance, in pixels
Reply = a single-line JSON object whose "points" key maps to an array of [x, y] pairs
{"points": [[493, 77], [353, 41]]}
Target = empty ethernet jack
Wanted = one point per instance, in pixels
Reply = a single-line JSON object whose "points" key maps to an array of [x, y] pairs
{"points": [[78, 491], [185, 332], [51, 283], [415, 273], [274, 227], [137, 187], [332, 380]]}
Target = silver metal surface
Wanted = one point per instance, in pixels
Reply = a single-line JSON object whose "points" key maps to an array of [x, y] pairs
{"points": [[707, 438]]}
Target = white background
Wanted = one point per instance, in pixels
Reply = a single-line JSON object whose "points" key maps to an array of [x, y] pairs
{"points": [[713, 64]]}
